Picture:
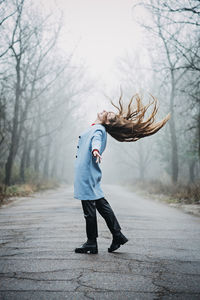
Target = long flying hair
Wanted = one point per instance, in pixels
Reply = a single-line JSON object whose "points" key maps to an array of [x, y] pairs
{"points": [[129, 125]]}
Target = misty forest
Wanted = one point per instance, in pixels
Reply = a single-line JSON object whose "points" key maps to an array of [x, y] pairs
{"points": [[61, 63]]}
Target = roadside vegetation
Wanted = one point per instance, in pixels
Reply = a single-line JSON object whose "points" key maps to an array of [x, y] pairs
{"points": [[188, 193], [17, 189]]}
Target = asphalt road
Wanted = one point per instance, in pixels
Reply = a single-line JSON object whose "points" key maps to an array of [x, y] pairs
{"points": [[161, 260]]}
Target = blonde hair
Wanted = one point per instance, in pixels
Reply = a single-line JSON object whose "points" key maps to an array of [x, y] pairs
{"points": [[129, 125]]}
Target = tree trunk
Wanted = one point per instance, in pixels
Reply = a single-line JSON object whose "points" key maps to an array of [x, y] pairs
{"points": [[174, 150], [199, 133], [54, 167], [36, 157], [191, 170], [46, 163], [37, 147], [14, 134], [23, 159], [28, 155]]}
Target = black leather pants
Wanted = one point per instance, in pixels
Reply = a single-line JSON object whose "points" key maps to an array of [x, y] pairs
{"points": [[105, 210]]}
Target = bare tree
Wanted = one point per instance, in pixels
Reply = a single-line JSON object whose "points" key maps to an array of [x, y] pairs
{"points": [[181, 53], [28, 54]]}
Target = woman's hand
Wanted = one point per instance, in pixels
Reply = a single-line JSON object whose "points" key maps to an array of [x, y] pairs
{"points": [[97, 154]]}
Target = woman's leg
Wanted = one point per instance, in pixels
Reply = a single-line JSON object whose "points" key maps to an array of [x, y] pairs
{"points": [[107, 213], [89, 209]]}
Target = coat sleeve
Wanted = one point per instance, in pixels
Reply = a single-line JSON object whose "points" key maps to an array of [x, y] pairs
{"points": [[97, 140]]}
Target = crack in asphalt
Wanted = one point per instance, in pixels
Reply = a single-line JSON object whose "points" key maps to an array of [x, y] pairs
{"points": [[163, 290], [155, 272]]}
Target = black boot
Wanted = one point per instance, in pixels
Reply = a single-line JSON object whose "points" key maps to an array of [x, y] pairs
{"points": [[117, 241], [90, 245]]}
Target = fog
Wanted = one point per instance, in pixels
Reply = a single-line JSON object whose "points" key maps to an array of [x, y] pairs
{"points": [[61, 62]]}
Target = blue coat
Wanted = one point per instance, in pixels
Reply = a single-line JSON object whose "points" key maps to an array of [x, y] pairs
{"points": [[87, 175]]}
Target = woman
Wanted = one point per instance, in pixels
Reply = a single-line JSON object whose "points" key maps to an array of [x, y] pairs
{"points": [[125, 126]]}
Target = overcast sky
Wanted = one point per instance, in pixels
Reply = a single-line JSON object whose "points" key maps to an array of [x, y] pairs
{"points": [[101, 31]]}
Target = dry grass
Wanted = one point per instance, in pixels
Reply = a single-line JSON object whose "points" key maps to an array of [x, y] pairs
{"points": [[23, 190], [181, 193]]}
